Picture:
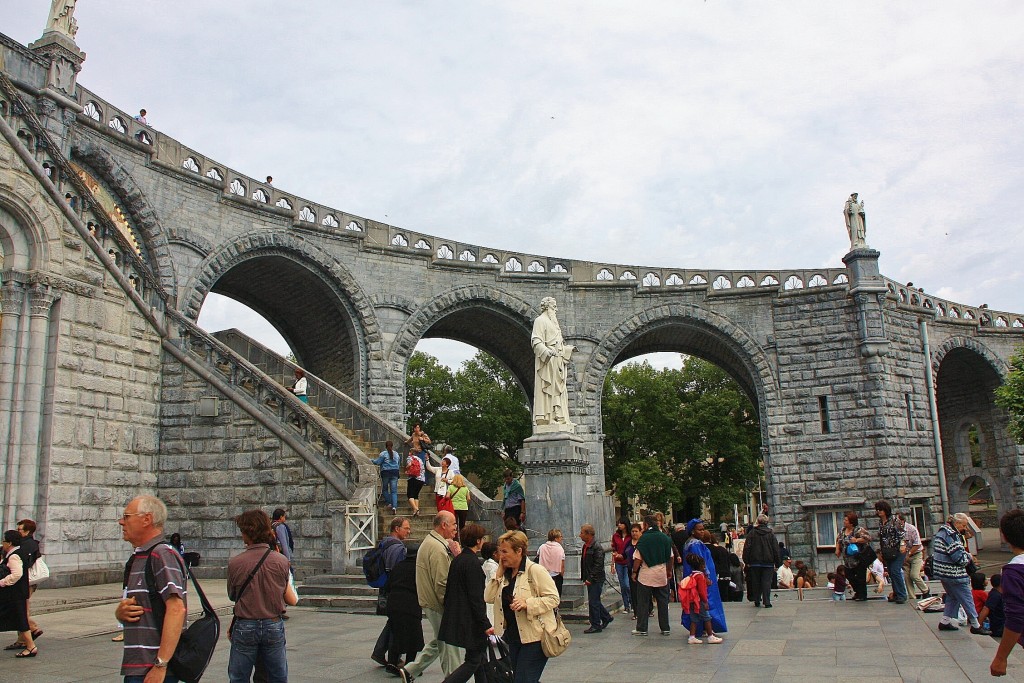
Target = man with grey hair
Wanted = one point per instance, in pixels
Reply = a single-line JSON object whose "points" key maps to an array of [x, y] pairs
{"points": [[761, 554], [949, 560], [153, 620], [550, 395]]}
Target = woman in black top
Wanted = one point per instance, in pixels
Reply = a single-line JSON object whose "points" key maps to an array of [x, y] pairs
{"points": [[405, 615], [464, 622], [14, 593]]}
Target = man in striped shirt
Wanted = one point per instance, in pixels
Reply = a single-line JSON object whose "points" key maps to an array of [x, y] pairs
{"points": [[151, 631]]}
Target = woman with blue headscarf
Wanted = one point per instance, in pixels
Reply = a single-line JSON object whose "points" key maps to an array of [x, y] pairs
{"points": [[695, 544]]}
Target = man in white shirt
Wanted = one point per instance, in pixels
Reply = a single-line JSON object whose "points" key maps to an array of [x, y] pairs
{"points": [[785, 573]]}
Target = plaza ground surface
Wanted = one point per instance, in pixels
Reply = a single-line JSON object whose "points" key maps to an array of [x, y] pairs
{"points": [[811, 641]]}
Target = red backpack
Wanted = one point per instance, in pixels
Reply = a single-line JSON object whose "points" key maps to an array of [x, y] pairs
{"points": [[414, 466]]}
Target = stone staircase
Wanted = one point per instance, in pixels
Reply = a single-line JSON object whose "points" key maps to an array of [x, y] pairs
{"points": [[349, 592]]}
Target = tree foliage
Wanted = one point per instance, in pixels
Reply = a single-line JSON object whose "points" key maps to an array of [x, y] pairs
{"points": [[675, 437], [480, 410], [1010, 396]]}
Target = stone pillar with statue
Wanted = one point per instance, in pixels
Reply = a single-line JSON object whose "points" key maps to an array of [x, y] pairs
{"points": [[555, 460]]}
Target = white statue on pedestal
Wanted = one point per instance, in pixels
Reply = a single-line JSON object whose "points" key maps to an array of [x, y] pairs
{"points": [[856, 222], [550, 395], [62, 18]]}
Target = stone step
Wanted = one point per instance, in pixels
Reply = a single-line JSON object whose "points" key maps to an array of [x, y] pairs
{"points": [[356, 605], [336, 580], [339, 590]]}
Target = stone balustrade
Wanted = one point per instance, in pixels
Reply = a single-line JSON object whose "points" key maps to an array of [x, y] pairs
{"points": [[949, 311]]}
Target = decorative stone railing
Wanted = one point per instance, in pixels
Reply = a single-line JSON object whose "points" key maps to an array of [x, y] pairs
{"points": [[328, 400], [434, 251], [261, 390], [34, 138], [333, 403], [950, 311]]}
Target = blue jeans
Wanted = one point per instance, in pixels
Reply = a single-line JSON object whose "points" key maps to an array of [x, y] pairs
{"points": [[958, 593], [599, 616], [169, 678], [622, 573], [258, 639], [528, 662], [895, 569], [838, 597], [389, 488]]}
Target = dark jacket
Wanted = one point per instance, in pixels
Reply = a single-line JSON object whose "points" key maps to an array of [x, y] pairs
{"points": [[29, 551], [592, 564], [464, 620], [761, 548], [404, 611]]}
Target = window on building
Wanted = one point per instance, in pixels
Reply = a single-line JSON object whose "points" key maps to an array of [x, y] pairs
{"points": [[826, 423], [918, 519], [827, 524], [910, 412]]}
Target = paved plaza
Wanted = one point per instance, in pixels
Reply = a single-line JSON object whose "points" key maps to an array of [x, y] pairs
{"points": [[811, 641]]}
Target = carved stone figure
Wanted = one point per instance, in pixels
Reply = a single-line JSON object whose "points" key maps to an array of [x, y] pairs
{"points": [[62, 18], [856, 222], [550, 396]]}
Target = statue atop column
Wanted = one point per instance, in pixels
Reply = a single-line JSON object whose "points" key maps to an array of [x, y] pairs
{"points": [[856, 222], [550, 395], [62, 18]]}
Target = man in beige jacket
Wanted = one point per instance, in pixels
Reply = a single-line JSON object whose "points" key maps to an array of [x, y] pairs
{"points": [[432, 562]]}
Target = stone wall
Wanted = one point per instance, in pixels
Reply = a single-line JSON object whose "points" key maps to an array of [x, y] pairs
{"points": [[211, 469]]}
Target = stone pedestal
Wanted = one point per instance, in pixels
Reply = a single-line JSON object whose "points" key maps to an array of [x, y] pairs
{"points": [[555, 468]]}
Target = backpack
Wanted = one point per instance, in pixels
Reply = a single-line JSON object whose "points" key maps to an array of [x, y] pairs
{"points": [[688, 593], [415, 466], [373, 563]]}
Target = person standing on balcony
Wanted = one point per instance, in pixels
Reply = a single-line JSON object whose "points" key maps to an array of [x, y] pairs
{"points": [[299, 386]]}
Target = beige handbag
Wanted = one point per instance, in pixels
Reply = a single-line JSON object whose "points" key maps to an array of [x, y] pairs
{"points": [[554, 636]]}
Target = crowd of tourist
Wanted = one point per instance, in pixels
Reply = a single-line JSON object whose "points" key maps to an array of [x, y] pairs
{"points": [[470, 590]]}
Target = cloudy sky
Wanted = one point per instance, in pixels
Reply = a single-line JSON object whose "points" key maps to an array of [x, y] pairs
{"points": [[718, 134]]}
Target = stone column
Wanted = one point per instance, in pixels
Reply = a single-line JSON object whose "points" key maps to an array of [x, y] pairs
{"points": [[10, 325], [555, 467], [41, 299]]}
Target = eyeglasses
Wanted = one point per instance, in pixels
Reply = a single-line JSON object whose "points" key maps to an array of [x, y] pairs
{"points": [[133, 514]]}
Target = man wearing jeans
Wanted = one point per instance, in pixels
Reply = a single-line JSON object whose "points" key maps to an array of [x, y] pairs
{"points": [[592, 573], [258, 583], [652, 568]]}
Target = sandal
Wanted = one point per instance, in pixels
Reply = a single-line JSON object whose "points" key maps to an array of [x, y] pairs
{"points": [[38, 632], [118, 638], [27, 653], [15, 646]]}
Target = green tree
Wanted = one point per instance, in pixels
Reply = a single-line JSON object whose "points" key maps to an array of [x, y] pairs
{"points": [[679, 436], [428, 386], [1010, 396], [480, 410]]}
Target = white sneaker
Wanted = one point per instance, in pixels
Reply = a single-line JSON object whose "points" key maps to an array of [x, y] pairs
{"points": [[694, 640], [714, 640]]}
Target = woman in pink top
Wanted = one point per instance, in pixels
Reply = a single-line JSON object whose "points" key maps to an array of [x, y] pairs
{"points": [[551, 556]]}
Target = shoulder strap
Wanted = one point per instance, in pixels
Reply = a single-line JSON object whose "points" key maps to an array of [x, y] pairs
{"points": [[248, 580]]}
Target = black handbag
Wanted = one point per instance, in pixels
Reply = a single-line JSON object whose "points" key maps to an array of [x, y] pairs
{"points": [[498, 667], [197, 642]]}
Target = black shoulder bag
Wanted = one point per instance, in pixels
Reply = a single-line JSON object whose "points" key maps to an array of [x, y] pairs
{"points": [[197, 642]]}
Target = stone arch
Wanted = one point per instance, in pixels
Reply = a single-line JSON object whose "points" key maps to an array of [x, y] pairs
{"points": [[140, 213], [306, 294], [686, 328], [479, 315], [23, 235], [189, 238], [650, 330], [966, 375]]}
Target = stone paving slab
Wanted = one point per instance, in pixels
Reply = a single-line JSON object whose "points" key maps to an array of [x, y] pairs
{"points": [[806, 642]]}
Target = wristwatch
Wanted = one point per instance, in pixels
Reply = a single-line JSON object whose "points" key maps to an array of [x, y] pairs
{"points": [[161, 663]]}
